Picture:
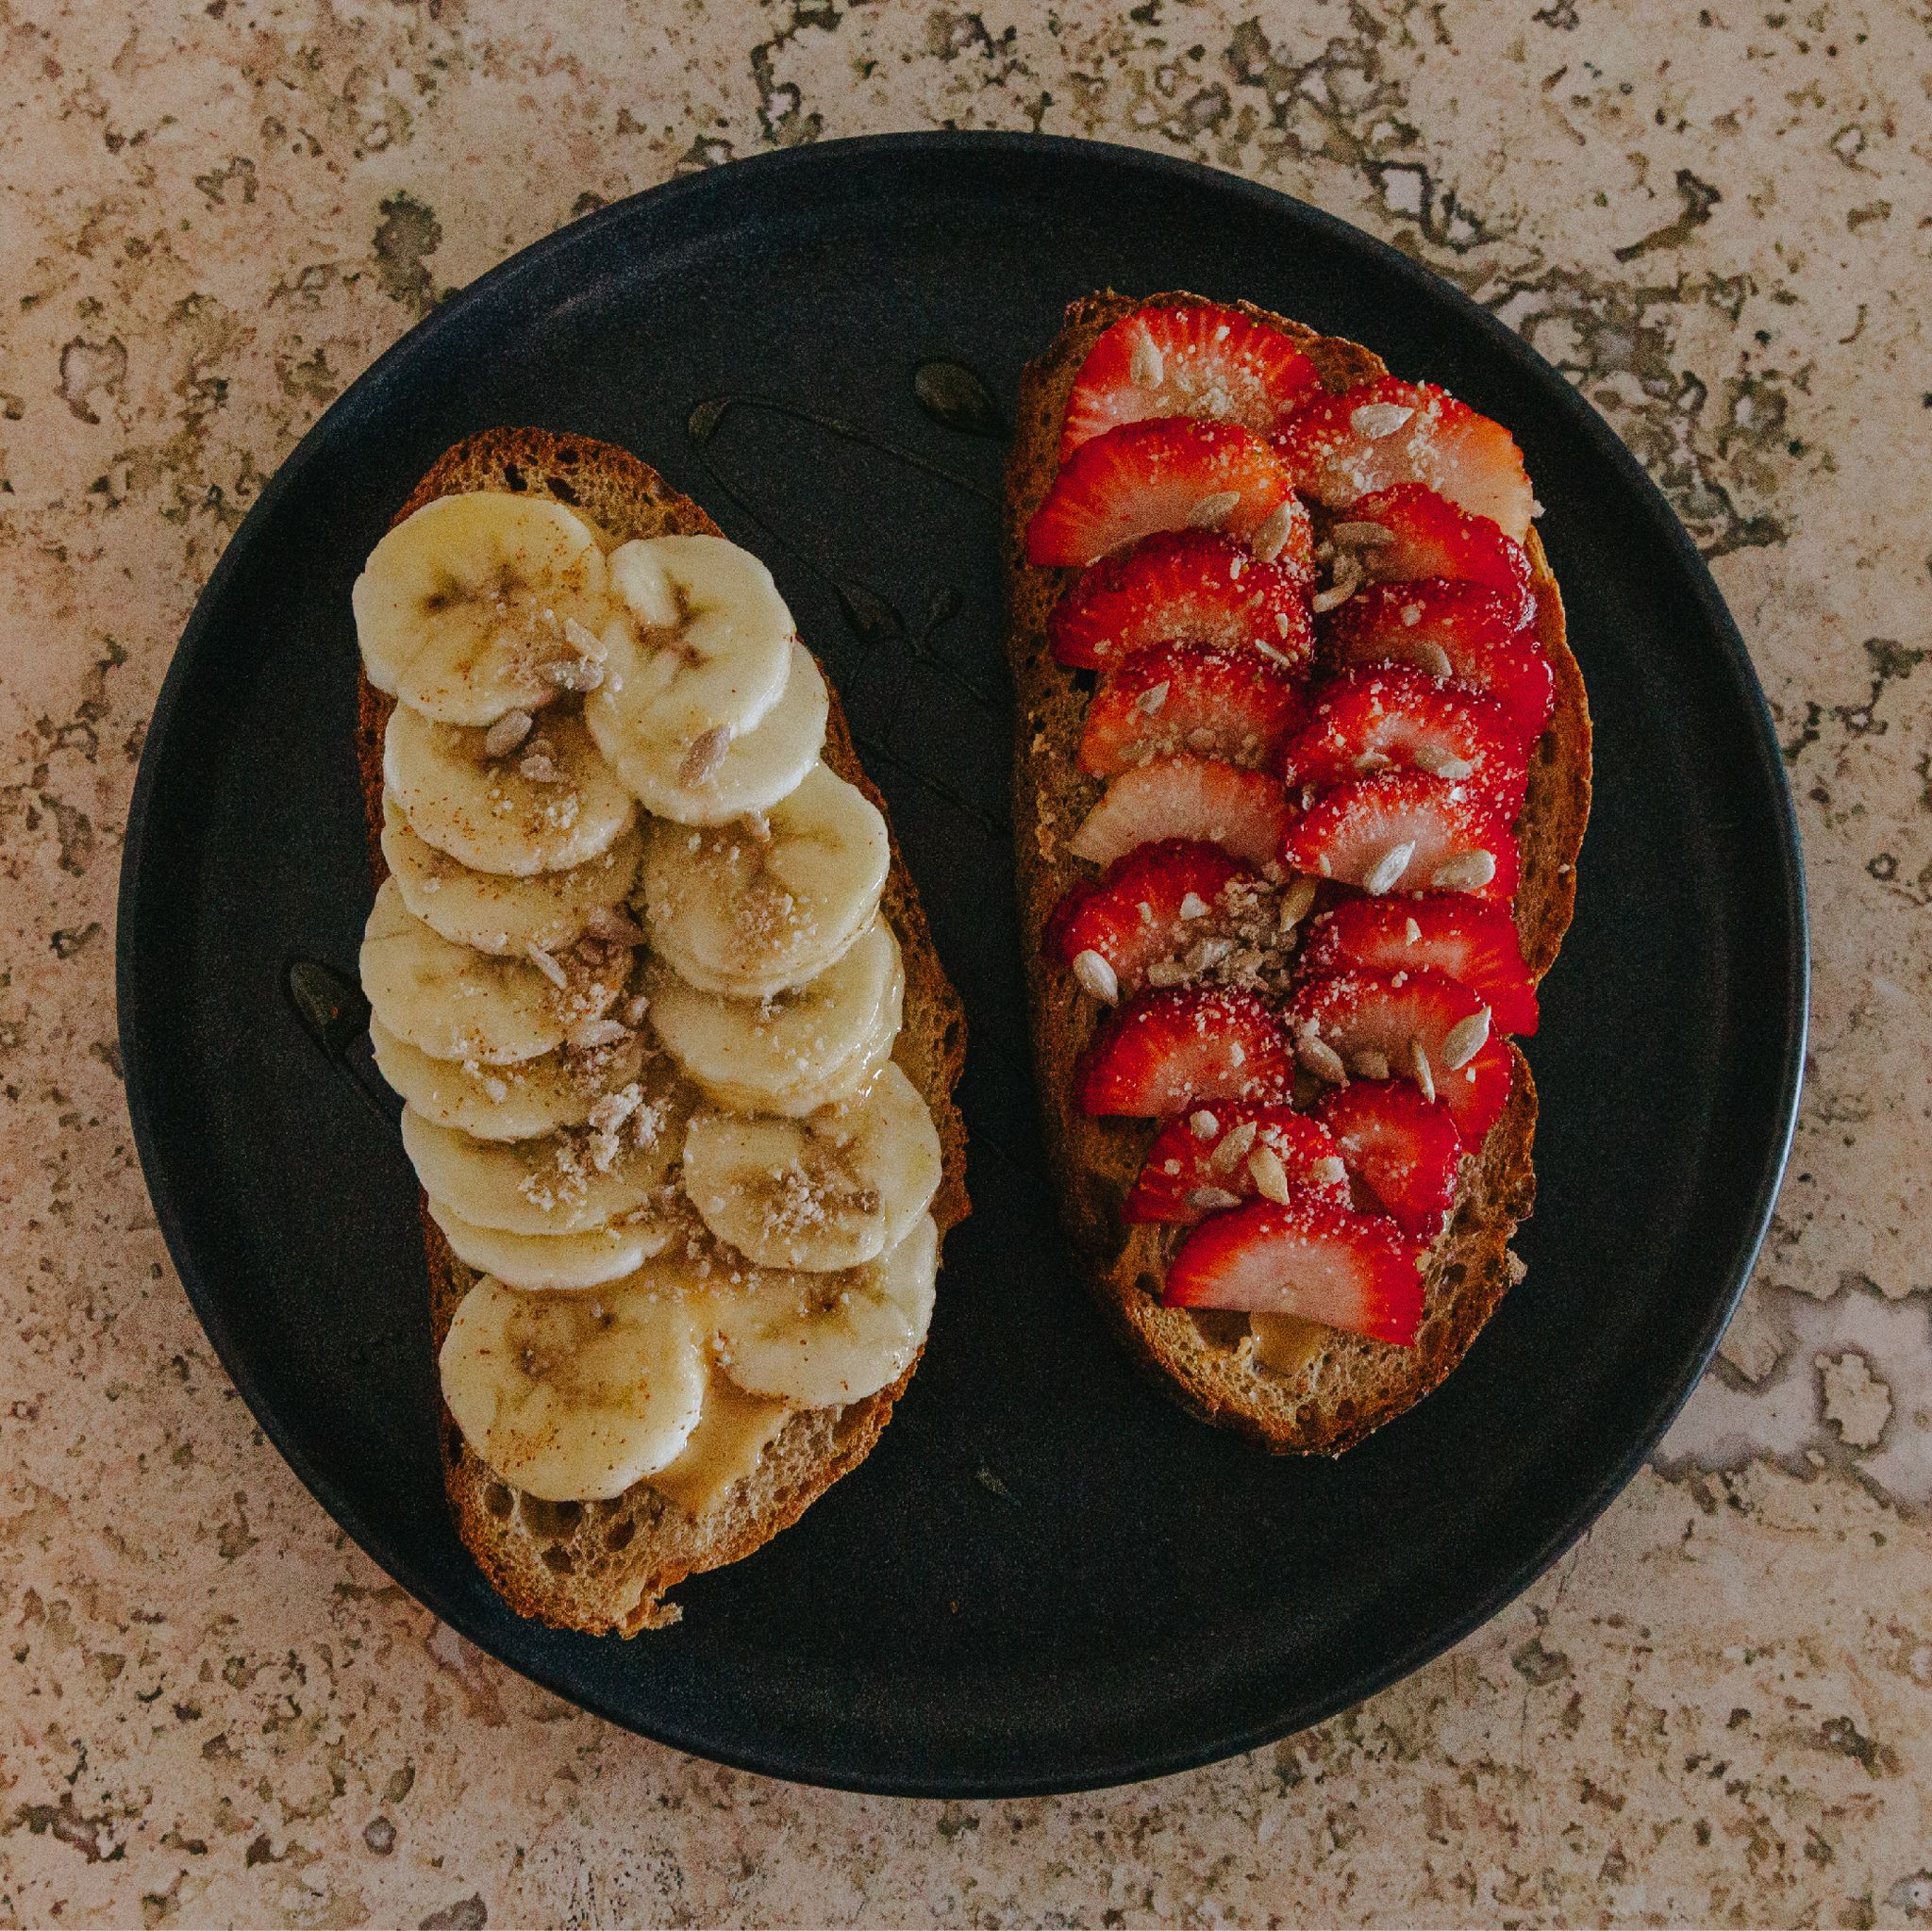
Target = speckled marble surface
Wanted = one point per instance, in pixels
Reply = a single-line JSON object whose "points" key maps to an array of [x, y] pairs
{"points": [[1717, 1709]]}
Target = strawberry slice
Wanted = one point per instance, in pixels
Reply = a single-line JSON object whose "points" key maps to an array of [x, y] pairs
{"points": [[1354, 1271], [1403, 831], [1142, 910], [1466, 937], [1189, 697], [1168, 472], [1428, 536], [1381, 715], [1477, 1094], [1404, 1151], [1420, 1025], [1194, 361], [1202, 798], [1457, 630], [1190, 587], [1208, 1160], [1164, 1051], [1339, 448]]}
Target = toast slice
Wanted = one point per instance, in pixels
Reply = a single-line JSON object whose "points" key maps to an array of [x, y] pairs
{"points": [[605, 1566], [1327, 1389]]}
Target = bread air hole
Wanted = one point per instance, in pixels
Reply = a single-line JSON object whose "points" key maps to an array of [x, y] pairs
{"points": [[498, 1501], [551, 1518], [618, 1534], [557, 1561]]}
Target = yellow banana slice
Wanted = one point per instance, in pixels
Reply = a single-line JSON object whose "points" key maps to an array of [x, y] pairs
{"points": [[494, 912], [796, 1051], [572, 1397], [546, 804], [750, 908], [825, 1340], [719, 775], [481, 604], [558, 1263], [831, 1191]]}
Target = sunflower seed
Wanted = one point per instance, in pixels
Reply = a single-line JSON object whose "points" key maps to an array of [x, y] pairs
{"points": [[1441, 763], [1270, 1175], [1433, 658], [1418, 1067], [1167, 971], [506, 733], [1360, 535], [1348, 579], [1295, 900], [1465, 872], [546, 965], [1234, 1147], [1386, 873], [705, 755], [1211, 1199], [591, 1034], [1320, 1058], [1097, 976], [582, 639], [1271, 535], [1151, 700], [1210, 512], [1375, 420], [1465, 1040], [1368, 1064]]}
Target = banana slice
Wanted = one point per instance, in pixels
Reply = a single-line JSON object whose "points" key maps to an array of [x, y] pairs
{"points": [[825, 1340], [554, 1185], [765, 902], [572, 1397], [547, 805], [798, 1050], [828, 1193], [493, 911], [553, 1263], [517, 1101], [449, 1002], [719, 775], [481, 604]]}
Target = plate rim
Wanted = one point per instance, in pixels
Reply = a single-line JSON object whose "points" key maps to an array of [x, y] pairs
{"points": [[1161, 1758]]}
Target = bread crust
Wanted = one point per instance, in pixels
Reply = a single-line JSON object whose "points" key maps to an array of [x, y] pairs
{"points": [[606, 1566], [1345, 1386]]}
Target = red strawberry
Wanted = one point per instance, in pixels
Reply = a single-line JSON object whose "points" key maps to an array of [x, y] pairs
{"points": [[1457, 630], [1394, 714], [1164, 1051], [1403, 831], [1140, 910], [1165, 474], [1477, 1094], [1207, 1160], [1339, 448], [1466, 937], [1190, 587], [1404, 1150], [1204, 798], [1420, 1025], [1429, 537], [1311, 1258], [1180, 697], [1194, 361]]}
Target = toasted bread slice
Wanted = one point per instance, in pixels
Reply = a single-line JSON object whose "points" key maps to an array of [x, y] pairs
{"points": [[604, 1566], [1326, 1394]]}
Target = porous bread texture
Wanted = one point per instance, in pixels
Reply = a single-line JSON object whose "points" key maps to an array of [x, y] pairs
{"points": [[605, 1566], [1344, 1386]]}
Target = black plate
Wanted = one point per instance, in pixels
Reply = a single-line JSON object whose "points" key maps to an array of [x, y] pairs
{"points": [[1045, 1578]]}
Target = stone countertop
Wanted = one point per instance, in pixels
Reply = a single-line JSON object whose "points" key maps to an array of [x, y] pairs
{"points": [[1718, 1707]]}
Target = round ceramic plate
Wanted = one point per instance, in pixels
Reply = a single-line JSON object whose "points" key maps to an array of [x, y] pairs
{"points": [[1047, 1576]]}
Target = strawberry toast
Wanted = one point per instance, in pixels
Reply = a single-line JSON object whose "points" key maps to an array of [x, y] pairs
{"points": [[1302, 776]]}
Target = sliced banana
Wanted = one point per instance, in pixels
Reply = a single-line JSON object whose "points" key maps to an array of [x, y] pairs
{"points": [[574, 1397], [831, 1191], [750, 908], [549, 803], [798, 1050], [718, 775], [825, 1340], [494, 912], [554, 1185], [451, 1003], [481, 605], [553, 1263], [517, 1102]]}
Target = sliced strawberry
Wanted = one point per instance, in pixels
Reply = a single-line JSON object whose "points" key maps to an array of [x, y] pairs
{"points": [[1403, 1150], [1477, 1094], [1210, 1159], [1190, 587], [1466, 937], [1380, 715], [1403, 831], [1195, 361], [1202, 798], [1339, 448], [1143, 907], [1166, 1051], [1429, 537], [1459, 630], [1165, 474], [1420, 1025], [1189, 697], [1323, 1262]]}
